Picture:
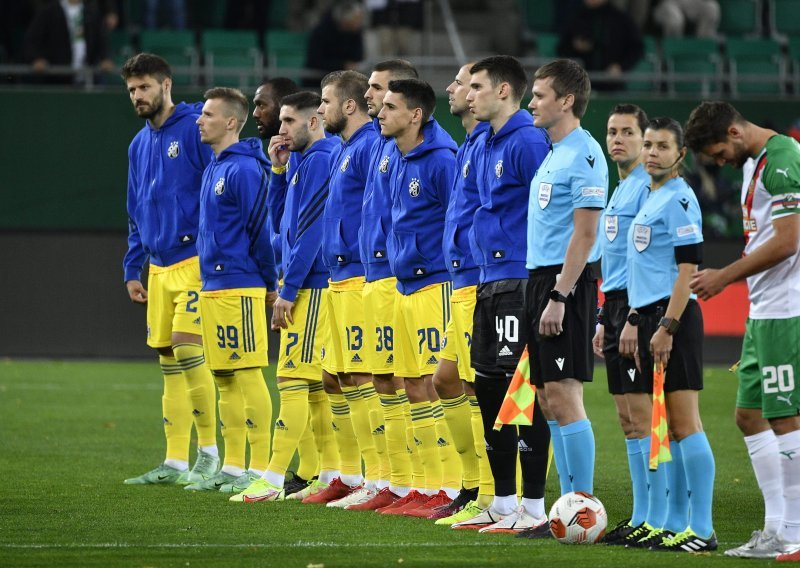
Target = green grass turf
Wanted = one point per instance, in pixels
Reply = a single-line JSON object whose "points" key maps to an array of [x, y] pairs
{"points": [[70, 432]]}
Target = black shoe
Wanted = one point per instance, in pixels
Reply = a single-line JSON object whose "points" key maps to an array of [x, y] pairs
{"points": [[540, 531], [294, 484], [687, 541], [652, 538], [618, 533], [464, 496]]}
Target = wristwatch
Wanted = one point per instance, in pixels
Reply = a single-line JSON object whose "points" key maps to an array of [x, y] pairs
{"points": [[670, 324], [601, 316], [557, 296], [634, 319]]}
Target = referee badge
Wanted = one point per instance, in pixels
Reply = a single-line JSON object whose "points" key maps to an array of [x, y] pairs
{"points": [[414, 187], [383, 167], [219, 187], [174, 149], [465, 169], [345, 163], [641, 237], [545, 189], [498, 169], [612, 227]]}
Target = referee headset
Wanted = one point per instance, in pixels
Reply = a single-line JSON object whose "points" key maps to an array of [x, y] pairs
{"points": [[666, 123]]}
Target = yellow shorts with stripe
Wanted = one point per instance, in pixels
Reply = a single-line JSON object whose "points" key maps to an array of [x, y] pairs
{"points": [[345, 351], [303, 342], [234, 328], [173, 301], [420, 320], [379, 298], [458, 335]]}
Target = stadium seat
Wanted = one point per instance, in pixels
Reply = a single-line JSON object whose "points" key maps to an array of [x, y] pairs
{"points": [[538, 16], [177, 47], [546, 44], [756, 66], [285, 49], [278, 11], [785, 17], [794, 57], [232, 58], [740, 17], [650, 64], [693, 65], [120, 46]]}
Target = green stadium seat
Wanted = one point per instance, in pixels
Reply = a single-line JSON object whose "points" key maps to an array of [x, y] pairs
{"points": [[693, 65], [650, 64], [232, 58], [785, 17], [178, 48], [740, 17], [285, 49], [278, 12], [794, 58], [538, 16], [120, 46], [756, 66], [546, 44]]}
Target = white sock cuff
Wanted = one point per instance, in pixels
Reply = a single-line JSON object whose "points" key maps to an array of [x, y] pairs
{"points": [[232, 470], [534, 507], [505, 505], [760, 442], [789, 442]]}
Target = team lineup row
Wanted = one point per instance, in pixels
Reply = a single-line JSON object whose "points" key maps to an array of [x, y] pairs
{"points": [[414, 274]]}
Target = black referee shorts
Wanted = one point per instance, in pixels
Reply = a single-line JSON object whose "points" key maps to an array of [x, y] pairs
{"points": [[685, 367], [499, 333], [623, 377], [568, 355]]}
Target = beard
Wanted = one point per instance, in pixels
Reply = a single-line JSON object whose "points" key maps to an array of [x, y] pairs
{"points": [[150, 110], [337, 124], [269, 128]]}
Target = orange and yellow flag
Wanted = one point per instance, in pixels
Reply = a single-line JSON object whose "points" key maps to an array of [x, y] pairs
{"points": [[517, 405], [659, 434]]}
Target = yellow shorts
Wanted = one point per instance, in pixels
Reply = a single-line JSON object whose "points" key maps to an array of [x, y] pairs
{"points": [[458, 335], [234, 328], [172, 301], [419, 323], [379, 298], [303, 342], [345, 351]]}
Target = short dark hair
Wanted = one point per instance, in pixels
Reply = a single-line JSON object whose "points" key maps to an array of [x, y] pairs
{"points": [[302, 100], [667, 123], [348, 85], [143, 64], [569, 78], [418, 94], [399, 68], [281, 87], [634, 110], [504, 69], [234, 99], [708, 124]]}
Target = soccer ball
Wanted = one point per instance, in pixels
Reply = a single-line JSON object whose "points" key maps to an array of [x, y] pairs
{"points": [[578, 518]]}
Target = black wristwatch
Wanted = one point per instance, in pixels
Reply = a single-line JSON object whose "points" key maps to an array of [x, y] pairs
{"points": [[601, 316], [557, 296], [634, 318], [670, 324]]}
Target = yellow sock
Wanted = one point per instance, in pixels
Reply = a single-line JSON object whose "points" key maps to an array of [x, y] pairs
{"points": [[486, 479], [451, 463], [200, 386], [425, 434], [231, 419], [349, 458], [292, 421], [359, 415], [459, 421], [417, 471], [396, 444], [322, 426], [176, 410], [258, 415], [378, 428], [307, 455]]}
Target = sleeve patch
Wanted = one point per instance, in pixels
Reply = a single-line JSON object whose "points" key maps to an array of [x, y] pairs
{"points": [[593, 192], [687, 230], [786, 203]]}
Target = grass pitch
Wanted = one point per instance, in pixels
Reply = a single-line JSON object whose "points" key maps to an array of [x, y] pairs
{"points": [[72, 431]]}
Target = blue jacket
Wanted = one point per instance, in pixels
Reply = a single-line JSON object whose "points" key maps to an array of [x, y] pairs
{"points": [[276, 198], [306, 191], [376, 214], [420, 184], [234, 244], [508, 163], [348, 177], [164, 174], [464, 201]]}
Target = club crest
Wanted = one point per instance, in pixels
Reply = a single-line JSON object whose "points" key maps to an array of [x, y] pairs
{"points": [[545, 189], [383, 167], [498, 169], [345, 164], [219, 187], [612, 227], [414, 187], [174, 149], [641, 237]]}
